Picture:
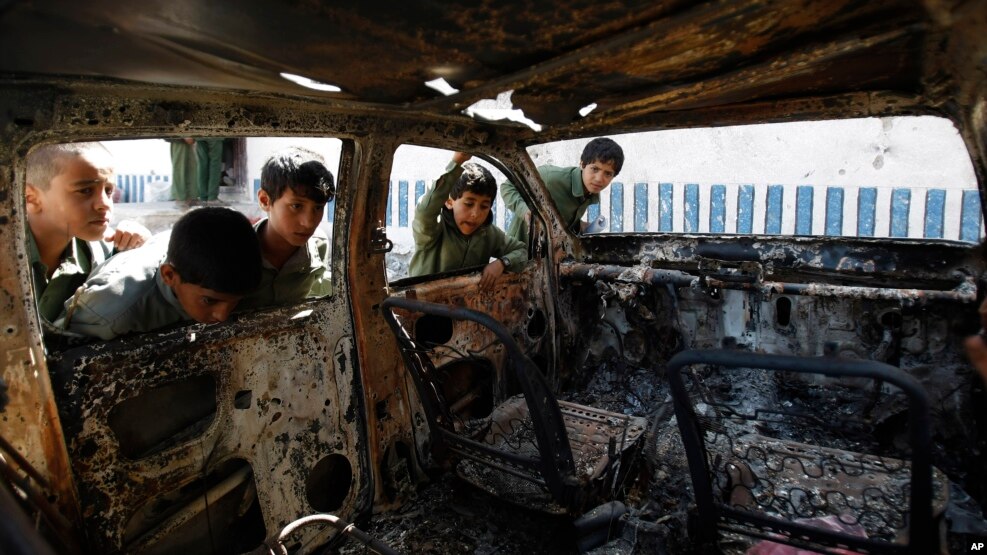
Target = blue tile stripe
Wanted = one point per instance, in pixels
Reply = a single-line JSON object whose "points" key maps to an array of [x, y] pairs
{"points": [[866, 211], [593, 212], [745, 209], [803, 210], [935, 207], [773, 214], [691, 209], [901, 200], [135, 188], [640, 207], [665, 209], [402, 203], [616, 207], [717, 209], [419, 190], [970, 218], [834, 211], [131, 187], [387, 218]]}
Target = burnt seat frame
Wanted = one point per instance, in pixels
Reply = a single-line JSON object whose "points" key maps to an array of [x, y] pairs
{"points": [[922, 530], [555, 463]]}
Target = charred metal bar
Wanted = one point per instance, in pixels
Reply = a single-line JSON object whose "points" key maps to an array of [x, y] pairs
{"points": [[965, 292], [495, 465], [557, 466], [635, 274], [21, 462], [17, 534], [201, 503], [344, 527], [59, 524]]}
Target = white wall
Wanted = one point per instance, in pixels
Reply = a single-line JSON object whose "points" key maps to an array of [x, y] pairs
{"points": [[143, 157], [922, 151], [153, 156], [912, 152]]}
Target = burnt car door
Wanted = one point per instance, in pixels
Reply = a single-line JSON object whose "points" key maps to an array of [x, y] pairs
{"points": [[197, 437], [477, 378]]}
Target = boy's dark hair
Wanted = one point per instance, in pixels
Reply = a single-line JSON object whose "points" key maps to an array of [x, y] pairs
{"points": [[475, 179], [301, 169], [216, 248], [603, 150]]}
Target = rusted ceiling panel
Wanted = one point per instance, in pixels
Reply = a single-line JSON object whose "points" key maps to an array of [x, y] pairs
{"points": [[678, 55], [829, 69], [624, 56], [247, 44]]}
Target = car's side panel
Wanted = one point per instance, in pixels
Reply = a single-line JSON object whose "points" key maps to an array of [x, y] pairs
{"points": [[286, 403]]}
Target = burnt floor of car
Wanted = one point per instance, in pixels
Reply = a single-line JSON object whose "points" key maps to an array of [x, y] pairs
{"points": [[446, 515]]}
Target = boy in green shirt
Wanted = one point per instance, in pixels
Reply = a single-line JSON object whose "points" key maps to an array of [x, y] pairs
{"points": [[69, 199], [294, 189], [573, 189], [199, 272], [454, 229]]}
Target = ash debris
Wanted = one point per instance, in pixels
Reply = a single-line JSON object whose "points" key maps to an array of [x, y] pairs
{"points": [[447, 516]]}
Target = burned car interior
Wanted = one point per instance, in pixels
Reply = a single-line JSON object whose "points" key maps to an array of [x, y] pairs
{"points": [[708, 385]]}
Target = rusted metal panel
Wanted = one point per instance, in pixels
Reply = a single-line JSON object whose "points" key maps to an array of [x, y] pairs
{"points": [[710, 51], [965, 292], [900, 263], [628, 57], [515, 303], [30, 421], [638, 274], [286, 397]]}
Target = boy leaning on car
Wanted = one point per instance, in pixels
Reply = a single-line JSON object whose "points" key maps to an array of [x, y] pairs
{"points": [[69, 199]]}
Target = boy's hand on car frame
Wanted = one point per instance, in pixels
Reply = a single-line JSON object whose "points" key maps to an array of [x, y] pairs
{"points": [[128, 235], [490, 274], [460, 157]]}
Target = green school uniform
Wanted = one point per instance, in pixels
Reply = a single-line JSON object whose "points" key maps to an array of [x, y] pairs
{"points": [[75, 265], [565, 185], [304, 276], [440, 246], [125, 294]]}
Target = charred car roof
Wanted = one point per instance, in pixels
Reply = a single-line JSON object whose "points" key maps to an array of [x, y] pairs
{"points": [[668, 63]]}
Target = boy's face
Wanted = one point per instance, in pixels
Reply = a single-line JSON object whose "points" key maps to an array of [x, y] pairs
{"points": [[292, 217], [203, 305], [470, 211], [597, 175], [78, 201]]}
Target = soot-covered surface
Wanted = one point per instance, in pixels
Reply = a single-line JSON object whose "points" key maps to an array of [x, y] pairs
{"points": [[447, 516]]}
